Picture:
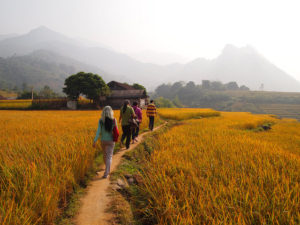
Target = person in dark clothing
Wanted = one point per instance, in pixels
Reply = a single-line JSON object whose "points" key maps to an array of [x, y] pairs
{"points": [[138, 113], [126, 113], [151, 113]]}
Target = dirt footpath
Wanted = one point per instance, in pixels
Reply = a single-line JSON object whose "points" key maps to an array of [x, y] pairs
{"points": [[94, 204]]}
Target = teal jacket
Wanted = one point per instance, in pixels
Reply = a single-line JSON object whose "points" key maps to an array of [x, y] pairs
{"points": [[105, 136]]}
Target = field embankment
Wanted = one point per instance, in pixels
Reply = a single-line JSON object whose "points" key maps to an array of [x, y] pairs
{"points": [[44, 156], [44, 104], [15, 104], [219, 170]]}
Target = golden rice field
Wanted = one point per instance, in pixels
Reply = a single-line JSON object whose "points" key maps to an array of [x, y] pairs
{"points": [[186, 113], [44, 155], [15, 104], [213, 170], [217, 171]]}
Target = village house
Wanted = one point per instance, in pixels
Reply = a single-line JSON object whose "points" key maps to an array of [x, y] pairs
{"points": [[120, 92]]}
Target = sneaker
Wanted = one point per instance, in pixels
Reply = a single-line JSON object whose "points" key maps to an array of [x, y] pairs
{"points": [[105, 176]]}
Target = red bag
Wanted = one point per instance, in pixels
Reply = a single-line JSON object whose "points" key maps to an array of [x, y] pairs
{"points": [[115, 132]]}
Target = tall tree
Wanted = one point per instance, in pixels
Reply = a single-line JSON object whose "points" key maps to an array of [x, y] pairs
{"points": [[232, 86], [47, 92], [89, 84]]}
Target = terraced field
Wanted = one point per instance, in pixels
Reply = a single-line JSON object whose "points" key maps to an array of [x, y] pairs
{"points": [[282, 110]]}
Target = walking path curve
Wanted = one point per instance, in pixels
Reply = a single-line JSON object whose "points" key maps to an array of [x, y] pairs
{"points": [[95, 203]]}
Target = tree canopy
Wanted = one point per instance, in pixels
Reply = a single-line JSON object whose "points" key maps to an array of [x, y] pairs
{"points": [[47, 92], [139, 87], [89, 84], [209, 94]]}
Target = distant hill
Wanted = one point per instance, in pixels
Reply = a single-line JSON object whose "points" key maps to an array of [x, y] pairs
{"points": [[40, 38], [107, 59], [43, 67], [243, 65]]}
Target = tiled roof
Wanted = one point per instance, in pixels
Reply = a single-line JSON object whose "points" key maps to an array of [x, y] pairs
{"points": [[122, 86]]}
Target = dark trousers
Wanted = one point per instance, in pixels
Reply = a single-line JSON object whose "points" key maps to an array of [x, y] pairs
{"points": [[151, 122], [126, 134], [135, 131]]}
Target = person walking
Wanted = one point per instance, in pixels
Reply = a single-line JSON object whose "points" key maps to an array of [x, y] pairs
{"points": [[138, 113], [106, 125], [126, 114], [151, 113]]}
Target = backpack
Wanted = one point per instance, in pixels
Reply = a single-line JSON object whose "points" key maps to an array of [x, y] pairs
{"points": [[115, 132]]}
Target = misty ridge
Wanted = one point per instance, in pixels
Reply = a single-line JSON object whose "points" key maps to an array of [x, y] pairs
{"points": [[43, 56]]}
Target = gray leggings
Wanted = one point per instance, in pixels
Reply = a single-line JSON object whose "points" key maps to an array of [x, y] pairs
{"points": [[108, 150]]}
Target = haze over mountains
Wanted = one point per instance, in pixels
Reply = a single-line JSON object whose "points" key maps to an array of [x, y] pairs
{"points": [[42, 67], [52, 56], [160, 58]]}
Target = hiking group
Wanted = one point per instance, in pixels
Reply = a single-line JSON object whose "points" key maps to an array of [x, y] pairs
{"points": [[130, 119]]}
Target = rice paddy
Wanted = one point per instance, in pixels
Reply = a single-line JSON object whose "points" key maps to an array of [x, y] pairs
{"points": [[213, 168]]}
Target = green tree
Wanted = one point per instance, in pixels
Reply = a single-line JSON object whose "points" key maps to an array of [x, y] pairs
{"points": [[89, 84], [24, 86], [190, 84], [177, 102], [232, 86], [164, 90], [47, 92], [163, 103], [217, 86], [27, 95], [139, 87], [244, 88]]}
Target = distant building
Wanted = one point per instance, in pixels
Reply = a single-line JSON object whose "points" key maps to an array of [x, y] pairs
{"points": [[120, 92], [262, 87], [205, 84]]}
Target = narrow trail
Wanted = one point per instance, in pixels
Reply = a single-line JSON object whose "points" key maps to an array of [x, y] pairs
{"points": [[94, 204]]}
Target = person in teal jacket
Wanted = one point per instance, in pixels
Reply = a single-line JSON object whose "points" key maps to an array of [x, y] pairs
{"points": [[105, 127]]}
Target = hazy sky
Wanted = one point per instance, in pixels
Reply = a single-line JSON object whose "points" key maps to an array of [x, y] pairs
{"points": [[188, 28]]}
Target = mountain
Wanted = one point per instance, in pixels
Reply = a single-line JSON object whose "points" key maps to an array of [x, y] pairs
{"points": [[43, 67], [107, 59], [243, 65], [39, 38], [6, 36]]}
